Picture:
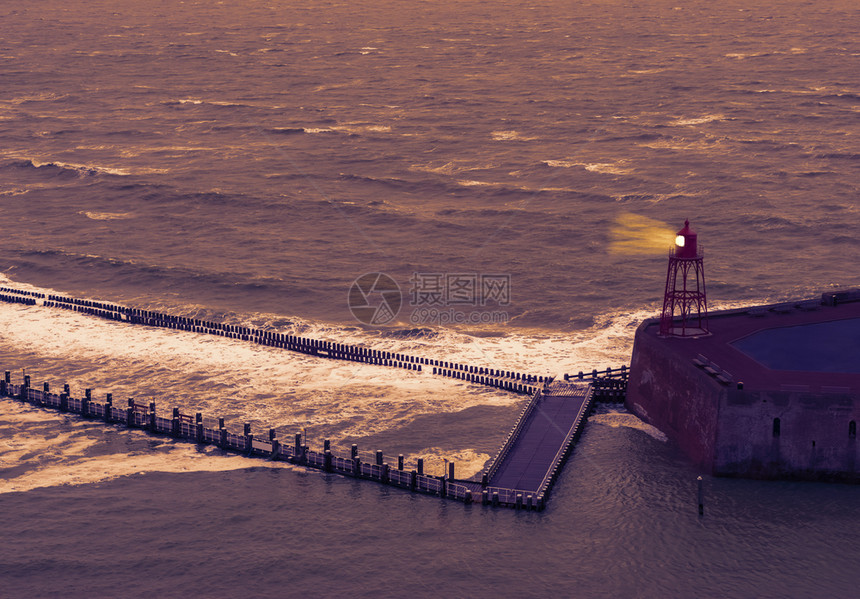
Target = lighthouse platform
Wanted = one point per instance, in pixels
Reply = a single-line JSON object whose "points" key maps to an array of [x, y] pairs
{"points": [[772, 392]]}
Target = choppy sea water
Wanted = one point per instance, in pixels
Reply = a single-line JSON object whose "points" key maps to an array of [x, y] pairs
{"points": [[247, 162]]}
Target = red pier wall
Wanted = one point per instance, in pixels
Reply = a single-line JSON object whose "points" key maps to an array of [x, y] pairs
{"points": [[755, 423]]}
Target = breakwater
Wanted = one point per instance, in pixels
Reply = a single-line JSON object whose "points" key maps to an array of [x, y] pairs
{"points": [[520, 476], [562, 408], [194, 428], [515, 382]]}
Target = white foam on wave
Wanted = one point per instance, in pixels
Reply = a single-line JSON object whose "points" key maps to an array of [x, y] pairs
{"points": [[61, 454], [700, 120], [13, 192], [450, 168], [36, 97], [619, 417], [107, 215], [699, 145], [609, 168], [220, 376], [81, 169], [509, 135], [744, 55], [275, 387], [361, 128], [468, 462]]}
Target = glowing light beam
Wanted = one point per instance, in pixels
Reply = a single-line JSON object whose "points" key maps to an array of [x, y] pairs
{"points": [[636, 234]]}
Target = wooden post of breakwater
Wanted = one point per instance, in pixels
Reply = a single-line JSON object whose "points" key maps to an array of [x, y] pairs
{"points": [[249, 437], [276, 444], [299, 449]]}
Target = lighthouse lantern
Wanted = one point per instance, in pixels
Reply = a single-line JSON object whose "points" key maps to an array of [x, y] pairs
{"points": [[686, 242]]}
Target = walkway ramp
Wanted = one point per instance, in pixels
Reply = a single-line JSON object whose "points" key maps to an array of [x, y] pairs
{"points": [[531, 458]]}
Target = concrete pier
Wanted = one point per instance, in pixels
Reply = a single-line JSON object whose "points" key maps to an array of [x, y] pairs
{"points": [[771, 392]]}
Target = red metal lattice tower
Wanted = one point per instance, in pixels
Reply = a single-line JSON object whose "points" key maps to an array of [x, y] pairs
{"points": [[685, 289]]}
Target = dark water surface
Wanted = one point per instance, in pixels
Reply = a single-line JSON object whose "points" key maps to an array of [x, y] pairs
{"points": [[245, 162]]}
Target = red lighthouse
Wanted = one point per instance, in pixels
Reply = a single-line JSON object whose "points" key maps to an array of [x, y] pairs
{"points": [[685, 289]]}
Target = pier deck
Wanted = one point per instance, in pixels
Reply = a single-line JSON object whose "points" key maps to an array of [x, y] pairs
{"points": [[532, 456], [548, 429]]}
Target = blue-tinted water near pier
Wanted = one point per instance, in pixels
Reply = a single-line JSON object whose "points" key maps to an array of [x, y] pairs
{"points": [[245, 162]]}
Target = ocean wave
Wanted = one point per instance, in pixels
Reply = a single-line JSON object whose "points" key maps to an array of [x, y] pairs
{"points": [[610, 168], [844, 96], [13, 192], [107, 215], [143, 273], [618, 418], [41, 451], [396, 183], [700, 120], [510, 135], [285, 130], [68, 169], [562, 163], [468, 461], [840, 155], [450, 167], [358, 128], [217, 104], [36, 97]]}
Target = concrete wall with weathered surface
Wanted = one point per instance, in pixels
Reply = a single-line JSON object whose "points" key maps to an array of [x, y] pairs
{"points": [[788, 434], [734, 432], [667, 391]]}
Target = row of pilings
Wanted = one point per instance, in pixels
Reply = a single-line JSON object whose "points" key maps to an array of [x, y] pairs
{"points": [[517, 382], [195, 429], [609, 385], [491, 378]]}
